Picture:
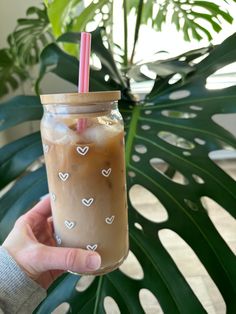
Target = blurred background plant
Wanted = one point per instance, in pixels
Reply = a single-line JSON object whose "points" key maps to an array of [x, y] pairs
{"points": [[193, 19], [171, 136]]}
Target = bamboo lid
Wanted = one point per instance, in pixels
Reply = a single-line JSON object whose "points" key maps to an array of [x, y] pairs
{"points": [[80, 98]]}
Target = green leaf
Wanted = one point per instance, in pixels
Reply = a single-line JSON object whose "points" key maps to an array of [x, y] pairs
{"points": [[26, 192], [147, 13], [11, 75], [59, 14], [54, 60], [57, 293], [176, 20], [214, 9], [175, 116], [161, 68], [19, 109], [223, 54], [159, 19], [186, 215], [17, 156], [80, 22], [30, 36], [108, 64]]}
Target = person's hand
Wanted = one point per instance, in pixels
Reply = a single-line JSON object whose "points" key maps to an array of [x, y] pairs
{"points": [[32, 245]]}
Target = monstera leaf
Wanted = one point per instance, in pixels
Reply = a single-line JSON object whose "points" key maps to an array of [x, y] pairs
{"points": [[11, 75], [30, 36], [173, 125], [24, 46], [187, 16]]}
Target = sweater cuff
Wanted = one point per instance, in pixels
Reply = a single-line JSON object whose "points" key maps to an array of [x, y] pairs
{"points": [[18, 293]]}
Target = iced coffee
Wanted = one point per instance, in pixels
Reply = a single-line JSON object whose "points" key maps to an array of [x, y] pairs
{"points": [[83, 141]]}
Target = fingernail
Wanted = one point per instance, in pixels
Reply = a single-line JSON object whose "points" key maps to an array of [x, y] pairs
{"points": [[93, 261]]}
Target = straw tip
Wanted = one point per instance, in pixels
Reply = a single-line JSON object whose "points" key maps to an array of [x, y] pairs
{"points": [[85, 34]]}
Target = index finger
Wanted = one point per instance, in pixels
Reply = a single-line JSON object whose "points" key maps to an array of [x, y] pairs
{"points": [[40, 212]]}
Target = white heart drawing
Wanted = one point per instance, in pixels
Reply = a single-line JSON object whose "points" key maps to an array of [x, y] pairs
{"points": [[82, 150], [69, 224], [63, 176], [92, 247], [45, 148], [53, 196], [106, 172], [87, 201], [58, 239], [109, 220]]}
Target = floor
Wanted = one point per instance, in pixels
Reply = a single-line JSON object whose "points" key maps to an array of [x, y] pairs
{"points": [[184, 257]]}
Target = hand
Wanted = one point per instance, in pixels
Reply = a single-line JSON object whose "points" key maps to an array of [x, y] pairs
{"points": [[32, 245]]}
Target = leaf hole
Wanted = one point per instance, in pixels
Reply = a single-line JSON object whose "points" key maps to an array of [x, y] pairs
{"points": [[135, 158], [179, 94], [178, 114], [131, 174], [107, 77], [168, 171], [84, 282], [198, 179], [175, 140], [147, 112], [63, 308], [226, 121], [138, 226], [149, 104], [175, 78], [200, 141], [192, 269], [186, 153], [147, 204], [222, 220], [140, 148], [197, 108], [131, 267], [145, 127], [110, 306], [159, 164], [214, 81], [225, 160], [149, 302]]}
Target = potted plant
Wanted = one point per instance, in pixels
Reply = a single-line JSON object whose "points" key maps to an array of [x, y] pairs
{"points": [[172, 125]]}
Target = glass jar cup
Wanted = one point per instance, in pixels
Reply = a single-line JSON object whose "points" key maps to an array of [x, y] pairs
{"points": [[83, 142]]}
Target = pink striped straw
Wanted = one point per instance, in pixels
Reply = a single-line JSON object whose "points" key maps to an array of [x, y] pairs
{"points": [[84, 67]]}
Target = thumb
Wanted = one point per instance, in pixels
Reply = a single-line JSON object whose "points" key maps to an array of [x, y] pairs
{"points": [[73, 259]]}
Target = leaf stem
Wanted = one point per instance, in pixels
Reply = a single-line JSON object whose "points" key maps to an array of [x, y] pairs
{"points": [[137, 27], [98, 294], [132, 133], [125, 34]]}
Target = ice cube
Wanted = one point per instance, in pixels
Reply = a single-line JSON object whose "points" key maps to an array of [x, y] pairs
{"points": [[57, 132], [99, 133]]}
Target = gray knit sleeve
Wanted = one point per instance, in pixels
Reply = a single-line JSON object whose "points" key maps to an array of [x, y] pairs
{"points": [[18, 293]]}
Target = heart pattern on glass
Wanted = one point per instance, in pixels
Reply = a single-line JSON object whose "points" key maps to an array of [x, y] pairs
{"points": [[106, 172], [58, 239], [82, 150], [53, 196], [45, 148], [63, 175], [91, 247], [109, 220], [69, 224], [87, 201]]}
